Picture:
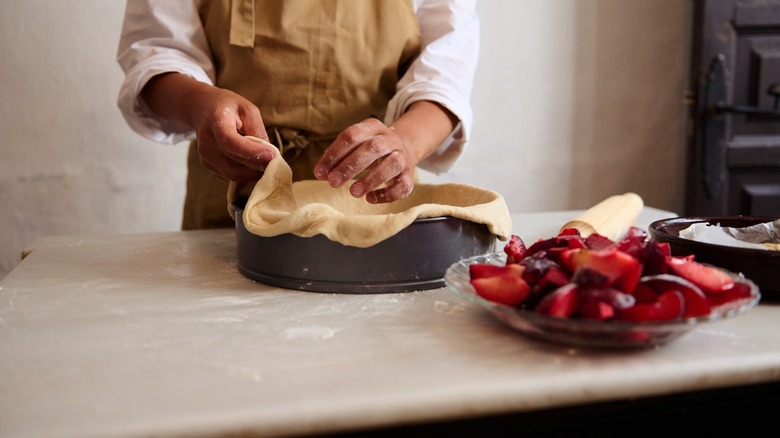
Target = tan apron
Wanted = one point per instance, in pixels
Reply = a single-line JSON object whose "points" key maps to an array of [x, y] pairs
{"points": [[313, 67]]}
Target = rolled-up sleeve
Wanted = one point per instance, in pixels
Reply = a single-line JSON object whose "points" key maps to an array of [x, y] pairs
{"points": [[159, 37], [443, 72]]}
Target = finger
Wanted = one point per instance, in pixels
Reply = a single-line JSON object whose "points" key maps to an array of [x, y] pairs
{"points": [[386, 169], [399, 188], [344, 145], [243, 150], [251, 122], [227, 168]]}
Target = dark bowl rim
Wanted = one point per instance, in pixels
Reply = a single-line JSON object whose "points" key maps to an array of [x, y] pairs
{"points": [[655, 232]]}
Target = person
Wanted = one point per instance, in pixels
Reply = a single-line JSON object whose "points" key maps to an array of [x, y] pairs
{"points": [[358, 92]]}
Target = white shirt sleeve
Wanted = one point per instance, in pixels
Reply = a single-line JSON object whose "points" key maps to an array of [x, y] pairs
{"points": [[159, 37], [443, 73], [167, 36]]}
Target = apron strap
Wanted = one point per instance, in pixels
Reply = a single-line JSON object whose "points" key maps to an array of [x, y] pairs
{"points": [[242, 23]]}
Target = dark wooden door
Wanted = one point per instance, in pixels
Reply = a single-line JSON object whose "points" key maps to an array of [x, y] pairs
{"points": [[734, 142]]}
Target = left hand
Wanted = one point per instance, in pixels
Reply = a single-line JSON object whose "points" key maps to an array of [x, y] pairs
{"points": [[371, 147]]}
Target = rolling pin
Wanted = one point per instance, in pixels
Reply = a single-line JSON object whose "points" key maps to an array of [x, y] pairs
{"points": [[611, 217]]}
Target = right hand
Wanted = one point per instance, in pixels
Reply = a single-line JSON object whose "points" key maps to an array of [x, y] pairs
{"points": [[221, 120]]}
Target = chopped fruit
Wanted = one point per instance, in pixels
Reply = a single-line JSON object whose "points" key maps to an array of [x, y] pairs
{"points": [[668, 306], [483, 270], [737, 292], [613, 297], [621, 269], [554, 276], [596, 310], [644, 294], [515, 249], [597, 241], [709, 279], [508, 288], [633, 243], [589, 277], [562, 302], [653, 260], [536, 265], [635, 279], [696, 303]]}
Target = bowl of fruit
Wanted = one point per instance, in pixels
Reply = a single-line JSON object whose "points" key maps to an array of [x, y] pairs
{"points": [[595, 292]]}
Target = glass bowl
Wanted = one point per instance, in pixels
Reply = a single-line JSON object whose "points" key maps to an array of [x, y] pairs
{"points": [[584, 332]]}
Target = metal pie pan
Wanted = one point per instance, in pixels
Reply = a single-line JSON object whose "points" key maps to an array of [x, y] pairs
{"points": [[415, 258]]}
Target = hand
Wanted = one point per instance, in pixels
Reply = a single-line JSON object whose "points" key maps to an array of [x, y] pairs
{"points": [[371, 147], [220, 118]]}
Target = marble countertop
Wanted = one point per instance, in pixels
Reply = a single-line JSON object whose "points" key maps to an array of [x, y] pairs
{"points": [[158, 334]]}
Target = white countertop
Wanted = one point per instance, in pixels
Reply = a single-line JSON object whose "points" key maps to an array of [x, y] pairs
{"points": [[158, 334]]}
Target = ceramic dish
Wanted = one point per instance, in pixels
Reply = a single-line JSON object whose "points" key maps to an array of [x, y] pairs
{"points": [[582, 332], [760, 266]]}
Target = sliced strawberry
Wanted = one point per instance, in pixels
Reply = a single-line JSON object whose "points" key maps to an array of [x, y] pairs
{"points": [[508, 289], [562, 302], [709, 279], [484, 270], [622, 270]]}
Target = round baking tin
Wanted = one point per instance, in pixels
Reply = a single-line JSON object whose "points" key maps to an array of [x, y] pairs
{"points": [[415, 258]]}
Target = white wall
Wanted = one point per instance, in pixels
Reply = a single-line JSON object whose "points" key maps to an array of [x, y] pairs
{"points": [[575, 100]]}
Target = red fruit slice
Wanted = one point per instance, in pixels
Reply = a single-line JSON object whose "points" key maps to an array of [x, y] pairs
{"points": [[739, 291], [484, 270], [621, 269], [603, 303], [596, 310], [613, 297], [515, 249], [508, 289], [597, 241], [562, 302], [644, 294], [669, 306], [709, 279], [554, 276], [696, 303]]}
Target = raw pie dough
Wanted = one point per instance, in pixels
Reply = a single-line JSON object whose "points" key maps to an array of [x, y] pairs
{"points": [[306, 208]]}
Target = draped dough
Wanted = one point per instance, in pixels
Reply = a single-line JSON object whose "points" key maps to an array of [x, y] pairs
{"points": [[306, 208]]}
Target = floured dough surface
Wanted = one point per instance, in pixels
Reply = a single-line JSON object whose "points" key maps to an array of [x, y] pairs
{"points": [[306, 208]]}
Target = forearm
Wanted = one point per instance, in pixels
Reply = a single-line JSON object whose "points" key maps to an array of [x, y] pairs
{"points": [[171, 96], [424, 126]]}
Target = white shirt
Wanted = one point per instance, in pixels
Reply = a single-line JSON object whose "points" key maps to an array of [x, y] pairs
{"points": [[160, 36]]}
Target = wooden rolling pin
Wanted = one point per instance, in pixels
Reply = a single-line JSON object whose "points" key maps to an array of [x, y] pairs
{"points": [[611, 217]]}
